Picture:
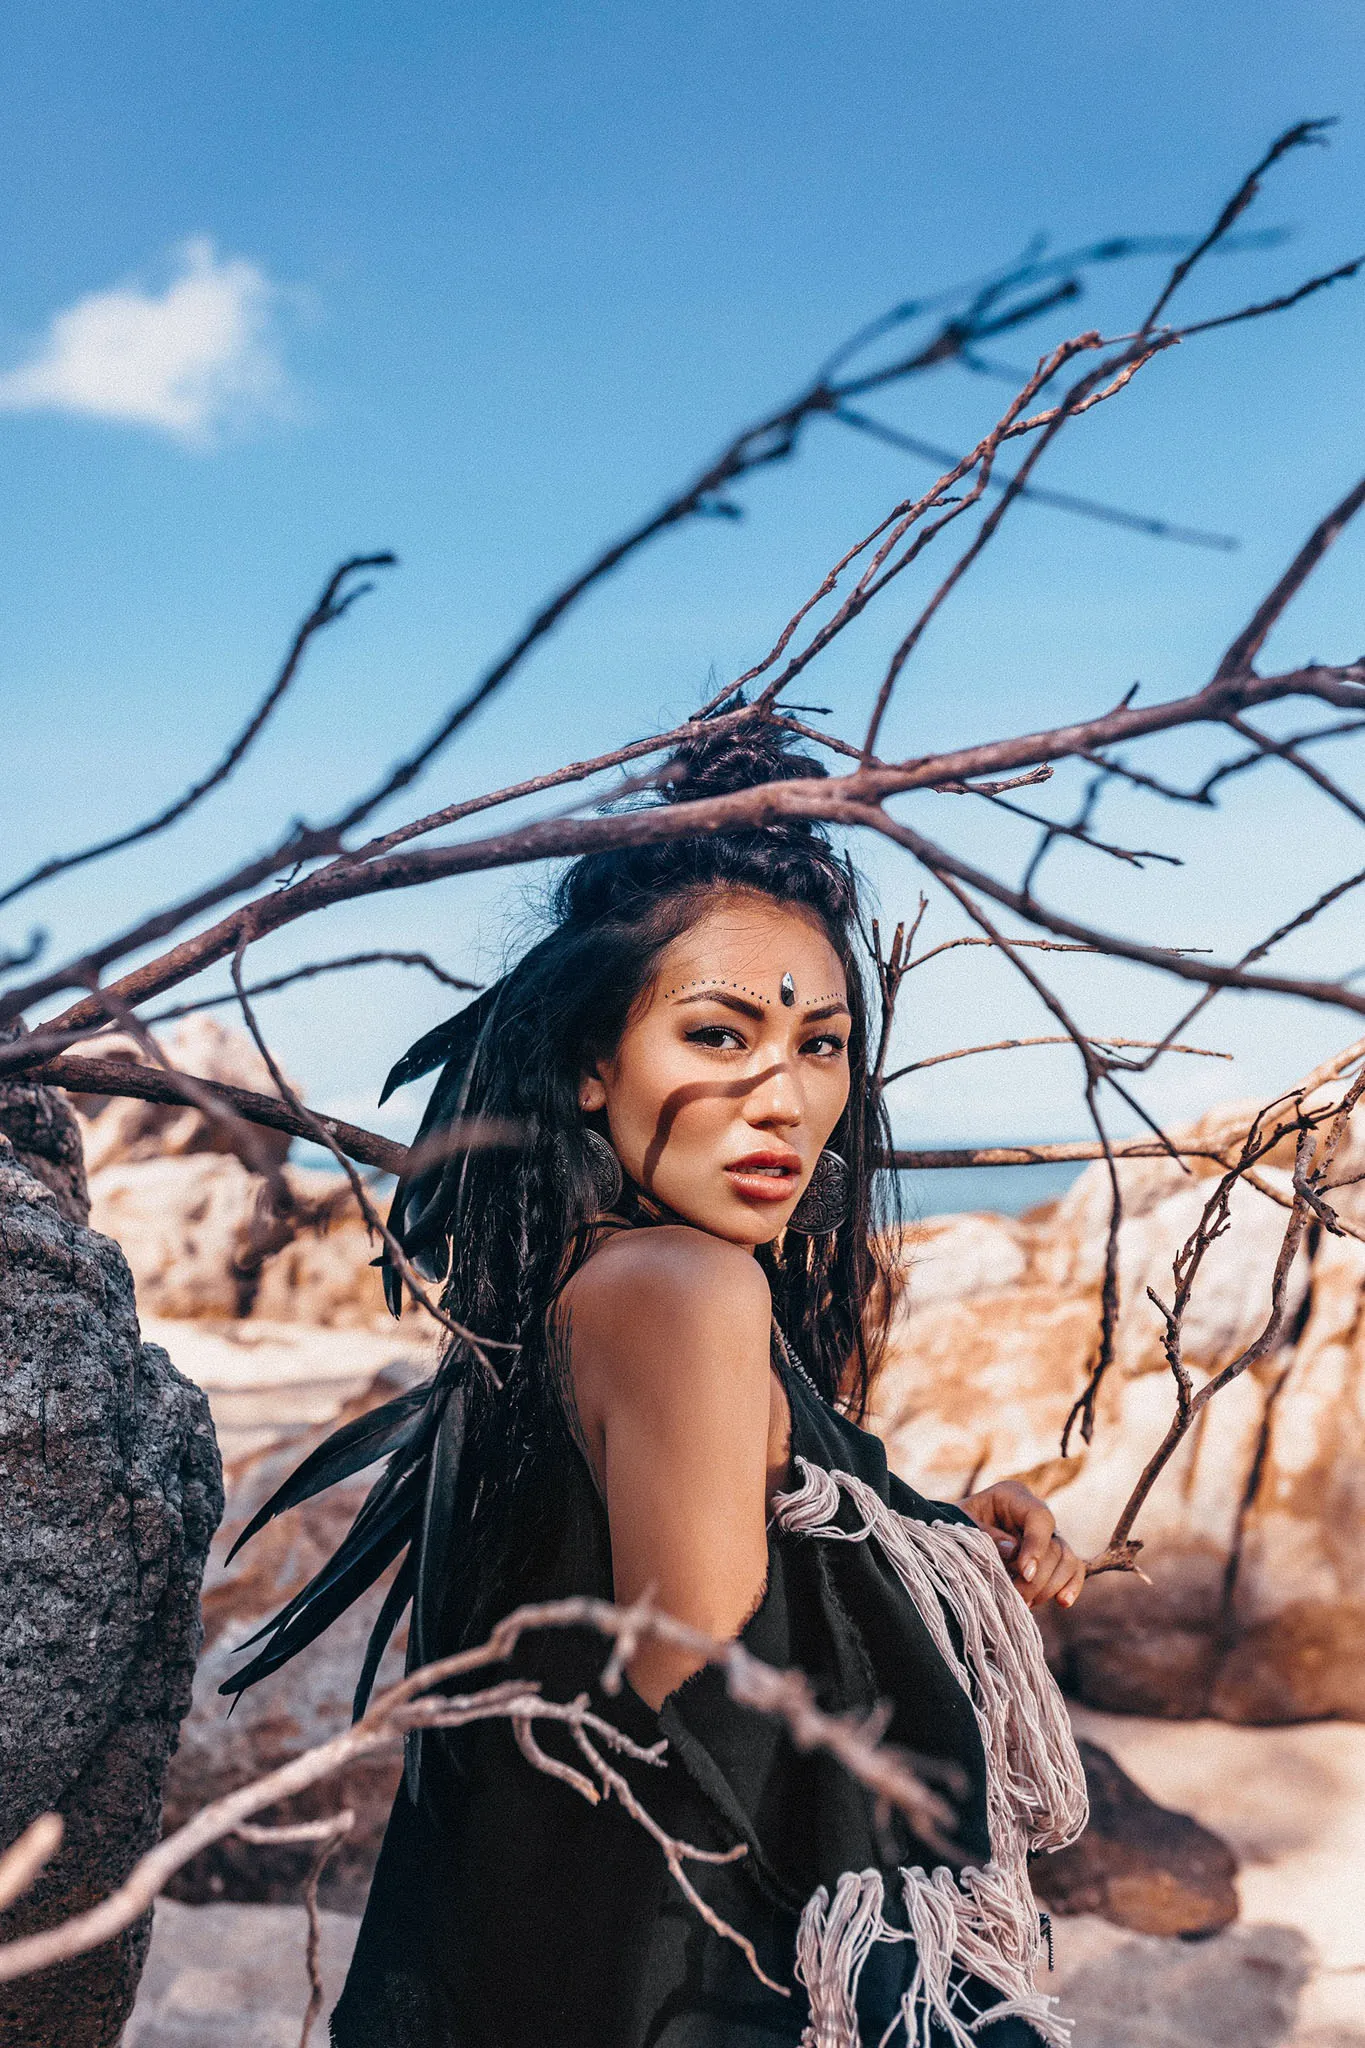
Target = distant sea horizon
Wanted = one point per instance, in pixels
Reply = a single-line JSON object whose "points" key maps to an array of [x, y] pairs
{"points": [[1005, 1190]]}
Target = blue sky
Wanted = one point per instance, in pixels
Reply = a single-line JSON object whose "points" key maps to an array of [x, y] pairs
{"points": [[480, 284]]}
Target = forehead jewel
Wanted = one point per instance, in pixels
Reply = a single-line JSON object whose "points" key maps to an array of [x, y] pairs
{"points": [[788, 989]]}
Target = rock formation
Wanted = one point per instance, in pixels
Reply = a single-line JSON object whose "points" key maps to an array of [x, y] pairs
{"points": [[1138, 1864], [109, 1494], [169, 1185], [120, 1127], [1255, 1534]]}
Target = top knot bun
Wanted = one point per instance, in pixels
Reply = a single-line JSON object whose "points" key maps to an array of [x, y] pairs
{"points": [[717, 763]]}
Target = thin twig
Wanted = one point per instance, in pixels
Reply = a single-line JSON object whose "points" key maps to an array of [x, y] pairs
{"points": [[332, 605], [374, 1223], [310, 973], [1105, 1043]]}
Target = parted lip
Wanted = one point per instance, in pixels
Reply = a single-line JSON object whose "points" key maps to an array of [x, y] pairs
{"points": [[765, 1162]]}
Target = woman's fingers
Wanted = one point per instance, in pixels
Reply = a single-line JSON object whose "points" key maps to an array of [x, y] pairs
{"points": [[1023, 1528], [1075, 1585], [1059, 1577], [1036, 1543]]}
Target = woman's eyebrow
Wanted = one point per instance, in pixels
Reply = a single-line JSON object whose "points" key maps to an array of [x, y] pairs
{"points": [[835, 1009], [721, 994]]}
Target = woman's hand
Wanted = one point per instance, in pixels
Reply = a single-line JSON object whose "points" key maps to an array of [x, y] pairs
{"points": [[1041, 1563]]}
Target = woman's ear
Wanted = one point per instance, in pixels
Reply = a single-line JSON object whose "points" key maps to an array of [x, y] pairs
{"points": [[591, 1094]]}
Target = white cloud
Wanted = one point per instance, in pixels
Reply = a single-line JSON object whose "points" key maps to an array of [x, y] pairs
{"points": [[197, 358]]}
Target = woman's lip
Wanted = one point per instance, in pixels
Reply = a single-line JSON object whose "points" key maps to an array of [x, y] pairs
{"points": [[766, 1176]]}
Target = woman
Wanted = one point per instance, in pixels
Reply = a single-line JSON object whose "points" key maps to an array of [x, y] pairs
{"points": [[681, 1256]]}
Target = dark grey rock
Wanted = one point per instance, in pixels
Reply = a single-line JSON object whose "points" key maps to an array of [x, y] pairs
{"points": [[42, 1127], [110, 1490]]}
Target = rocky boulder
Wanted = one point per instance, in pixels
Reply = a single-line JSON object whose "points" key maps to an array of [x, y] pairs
{"points": [[46, 1136], [111, 1489], [1255, 1534], [187, 1226], [120, 1128], [1139, 1864]]}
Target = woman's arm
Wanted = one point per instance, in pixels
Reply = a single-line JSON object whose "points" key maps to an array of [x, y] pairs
{"points": [[669, 1334]]}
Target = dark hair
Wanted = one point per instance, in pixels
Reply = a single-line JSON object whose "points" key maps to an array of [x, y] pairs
{"points": [[475, 1455], [505, 1229]]}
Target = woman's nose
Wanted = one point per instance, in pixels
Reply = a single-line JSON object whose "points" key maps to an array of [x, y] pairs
{"points": [[776, 1099]]}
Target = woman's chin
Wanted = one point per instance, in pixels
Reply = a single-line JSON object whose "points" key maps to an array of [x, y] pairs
{"points": [[737, 1221]]}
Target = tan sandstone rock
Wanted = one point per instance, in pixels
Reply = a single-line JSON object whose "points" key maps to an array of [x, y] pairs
{"points": [[1255, 1533], [119, 1128], [185, 1227]]}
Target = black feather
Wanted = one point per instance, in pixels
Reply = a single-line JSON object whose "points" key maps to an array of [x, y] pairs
{"points": [[392, 1495], [346, 1451], [390, 1518], [322, 1611], [433, 1554], [437, 1047], [395, 1600]]}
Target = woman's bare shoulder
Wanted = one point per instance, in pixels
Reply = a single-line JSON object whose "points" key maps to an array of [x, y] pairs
{"points": [[671, 1267]]}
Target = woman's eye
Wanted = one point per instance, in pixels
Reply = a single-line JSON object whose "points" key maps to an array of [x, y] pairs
{"points": [[828, 1045], [718, 1037]]}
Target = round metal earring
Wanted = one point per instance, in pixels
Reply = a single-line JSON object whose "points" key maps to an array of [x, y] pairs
{"points": [[826, 1202], [605, 1168]]}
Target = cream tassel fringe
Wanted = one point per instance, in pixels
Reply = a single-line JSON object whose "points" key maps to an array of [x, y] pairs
{"points": [[983, 1924]]}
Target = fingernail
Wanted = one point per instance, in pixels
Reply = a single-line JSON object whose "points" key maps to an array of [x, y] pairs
{"points": [[1031, 1569], [1066, 1599]]}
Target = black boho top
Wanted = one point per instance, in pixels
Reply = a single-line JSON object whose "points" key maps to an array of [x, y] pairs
{"points": [[508, 1912]]}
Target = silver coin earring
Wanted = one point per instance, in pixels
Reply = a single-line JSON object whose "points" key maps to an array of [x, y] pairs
{"points": [[827, 1199], [605, 1168]]}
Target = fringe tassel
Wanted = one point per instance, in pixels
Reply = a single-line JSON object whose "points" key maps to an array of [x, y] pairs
{"points": [[984, 1924], [831, 1947]]}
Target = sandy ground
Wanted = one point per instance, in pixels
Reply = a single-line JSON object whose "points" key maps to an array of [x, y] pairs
{"points": [[1290, 1974]]}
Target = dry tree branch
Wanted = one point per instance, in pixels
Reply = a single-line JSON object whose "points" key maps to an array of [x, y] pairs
{"points": [[1202, 793], [328, 1834], [304, 843], [1297, 137], [763, 443], [1312, 1168], [891, 968], [116, 1077], [888, 1773], [846, 800], [120, 1077], [1096, 1071], [23, 956], [215, 1106], [1241, 654], [1099, 1039], [1284, 750], [1178, 962], [1300, 920], [309, 973], [1090, 387], [332, 605], [1063, 1152], [1039, 494], [1342, 685], [374, 1223]]}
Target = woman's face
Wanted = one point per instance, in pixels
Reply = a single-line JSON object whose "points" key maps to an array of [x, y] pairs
{"points": [[732, 1070]]}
